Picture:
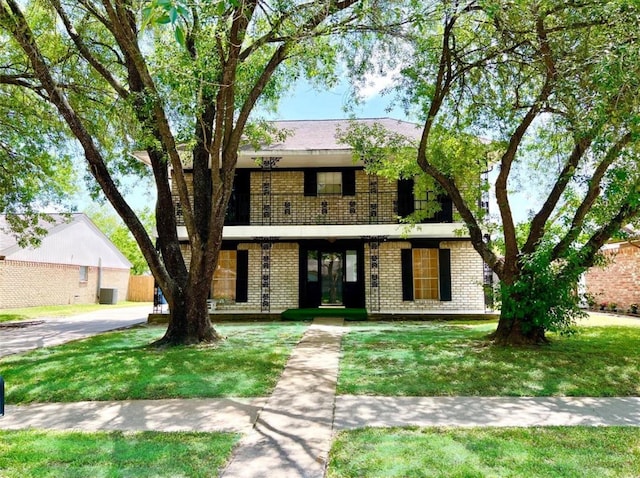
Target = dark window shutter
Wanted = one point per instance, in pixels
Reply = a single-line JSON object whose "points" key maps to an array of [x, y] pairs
{"points": [[242, 276], [444, 261], [405, 197], [407, 274], [310, 183], [243, 191], [349, 182], [446, 212]]}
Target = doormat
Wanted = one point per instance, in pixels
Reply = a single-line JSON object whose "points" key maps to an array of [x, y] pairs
{"points": [[310, 314]]}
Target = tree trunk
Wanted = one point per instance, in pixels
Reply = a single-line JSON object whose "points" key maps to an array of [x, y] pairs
{"points": [[189, 321], [515, 331]]}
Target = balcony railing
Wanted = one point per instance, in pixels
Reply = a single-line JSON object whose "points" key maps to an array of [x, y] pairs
{"points": [[297, 209]]}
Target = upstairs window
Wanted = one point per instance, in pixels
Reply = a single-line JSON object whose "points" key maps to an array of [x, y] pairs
{"points": [[324, 183], [329, 183], [408, 203], [420, 203]]}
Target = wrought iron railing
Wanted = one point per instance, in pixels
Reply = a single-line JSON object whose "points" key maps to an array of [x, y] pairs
{"points": [[297, 209]]}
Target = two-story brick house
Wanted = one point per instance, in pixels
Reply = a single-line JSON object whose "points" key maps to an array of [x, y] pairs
{"points": [[308, 227]]}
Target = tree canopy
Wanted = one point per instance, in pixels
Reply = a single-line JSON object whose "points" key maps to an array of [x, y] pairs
{"points": [[35, 171], [551, 88]]}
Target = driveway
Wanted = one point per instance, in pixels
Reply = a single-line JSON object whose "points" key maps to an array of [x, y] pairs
{"points": [[16, 337]]}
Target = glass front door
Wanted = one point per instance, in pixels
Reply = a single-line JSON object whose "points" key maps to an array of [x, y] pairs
{"points": [[331, 274], [332, 277]]}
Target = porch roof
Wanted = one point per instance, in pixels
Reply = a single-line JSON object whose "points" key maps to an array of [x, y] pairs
{"points": [[331, 232]]}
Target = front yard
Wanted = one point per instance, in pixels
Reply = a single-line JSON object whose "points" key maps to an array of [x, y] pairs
{"points": [[33, 453], [393, 358], [121, 366], [448, 358]]}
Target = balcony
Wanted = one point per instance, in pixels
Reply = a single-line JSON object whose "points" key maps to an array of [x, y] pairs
{"points": [[296, 209]]}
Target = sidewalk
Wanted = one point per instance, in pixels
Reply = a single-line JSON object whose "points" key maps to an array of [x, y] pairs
{"points": [[45, 332], [289, 433]]}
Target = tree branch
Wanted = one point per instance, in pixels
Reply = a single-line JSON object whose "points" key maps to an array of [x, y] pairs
{"points": [[537, 224], [86, 53], [590, 197], [17, 25]]}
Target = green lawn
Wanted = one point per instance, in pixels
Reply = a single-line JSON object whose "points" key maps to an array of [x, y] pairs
{"points": [[30, 313], [553, 452], [446, 359], [121, 365], [53, 454]]}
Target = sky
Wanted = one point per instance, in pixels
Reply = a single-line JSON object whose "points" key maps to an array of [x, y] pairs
{"points": [[306, 102]]}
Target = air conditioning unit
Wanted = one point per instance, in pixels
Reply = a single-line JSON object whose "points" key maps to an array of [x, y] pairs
{"points": [[108, 296]]}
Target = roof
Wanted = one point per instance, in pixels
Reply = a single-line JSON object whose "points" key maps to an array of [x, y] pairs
{"points": [[308, 137], [321, 135], [71, 239]]}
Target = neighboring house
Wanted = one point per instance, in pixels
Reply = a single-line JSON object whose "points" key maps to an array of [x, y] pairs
{"points": [[74, 261], [619, 281], [308, 227]]}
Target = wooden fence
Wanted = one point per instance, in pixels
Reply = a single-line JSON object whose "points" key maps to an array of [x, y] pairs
{"points": [[140, 289]]}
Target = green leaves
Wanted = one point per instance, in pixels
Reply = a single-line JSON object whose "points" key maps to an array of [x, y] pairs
{"points": [[164, 12]]}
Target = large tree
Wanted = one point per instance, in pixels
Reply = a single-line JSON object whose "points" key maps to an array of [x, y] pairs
{"points": [[121, 81], [551, 89]]}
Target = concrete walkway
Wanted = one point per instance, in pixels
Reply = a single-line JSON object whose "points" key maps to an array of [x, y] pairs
{"points": [[292, 435], [289, 433], [17, 337]]}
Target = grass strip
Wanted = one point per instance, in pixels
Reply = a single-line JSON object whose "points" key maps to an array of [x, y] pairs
{"points": [[445, 359], [121, 366], [113, 454], [559, 452]]}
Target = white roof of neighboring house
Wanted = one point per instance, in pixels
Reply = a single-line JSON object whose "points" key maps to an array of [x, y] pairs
{"points": [[76, 241]]}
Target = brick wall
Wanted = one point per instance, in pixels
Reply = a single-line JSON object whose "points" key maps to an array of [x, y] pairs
{"points": [[284, 278], [466, 280], [619, 281], [30, 284]]}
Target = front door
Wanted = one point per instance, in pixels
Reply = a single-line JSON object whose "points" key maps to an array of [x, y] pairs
{"points": [[331, 274]]}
